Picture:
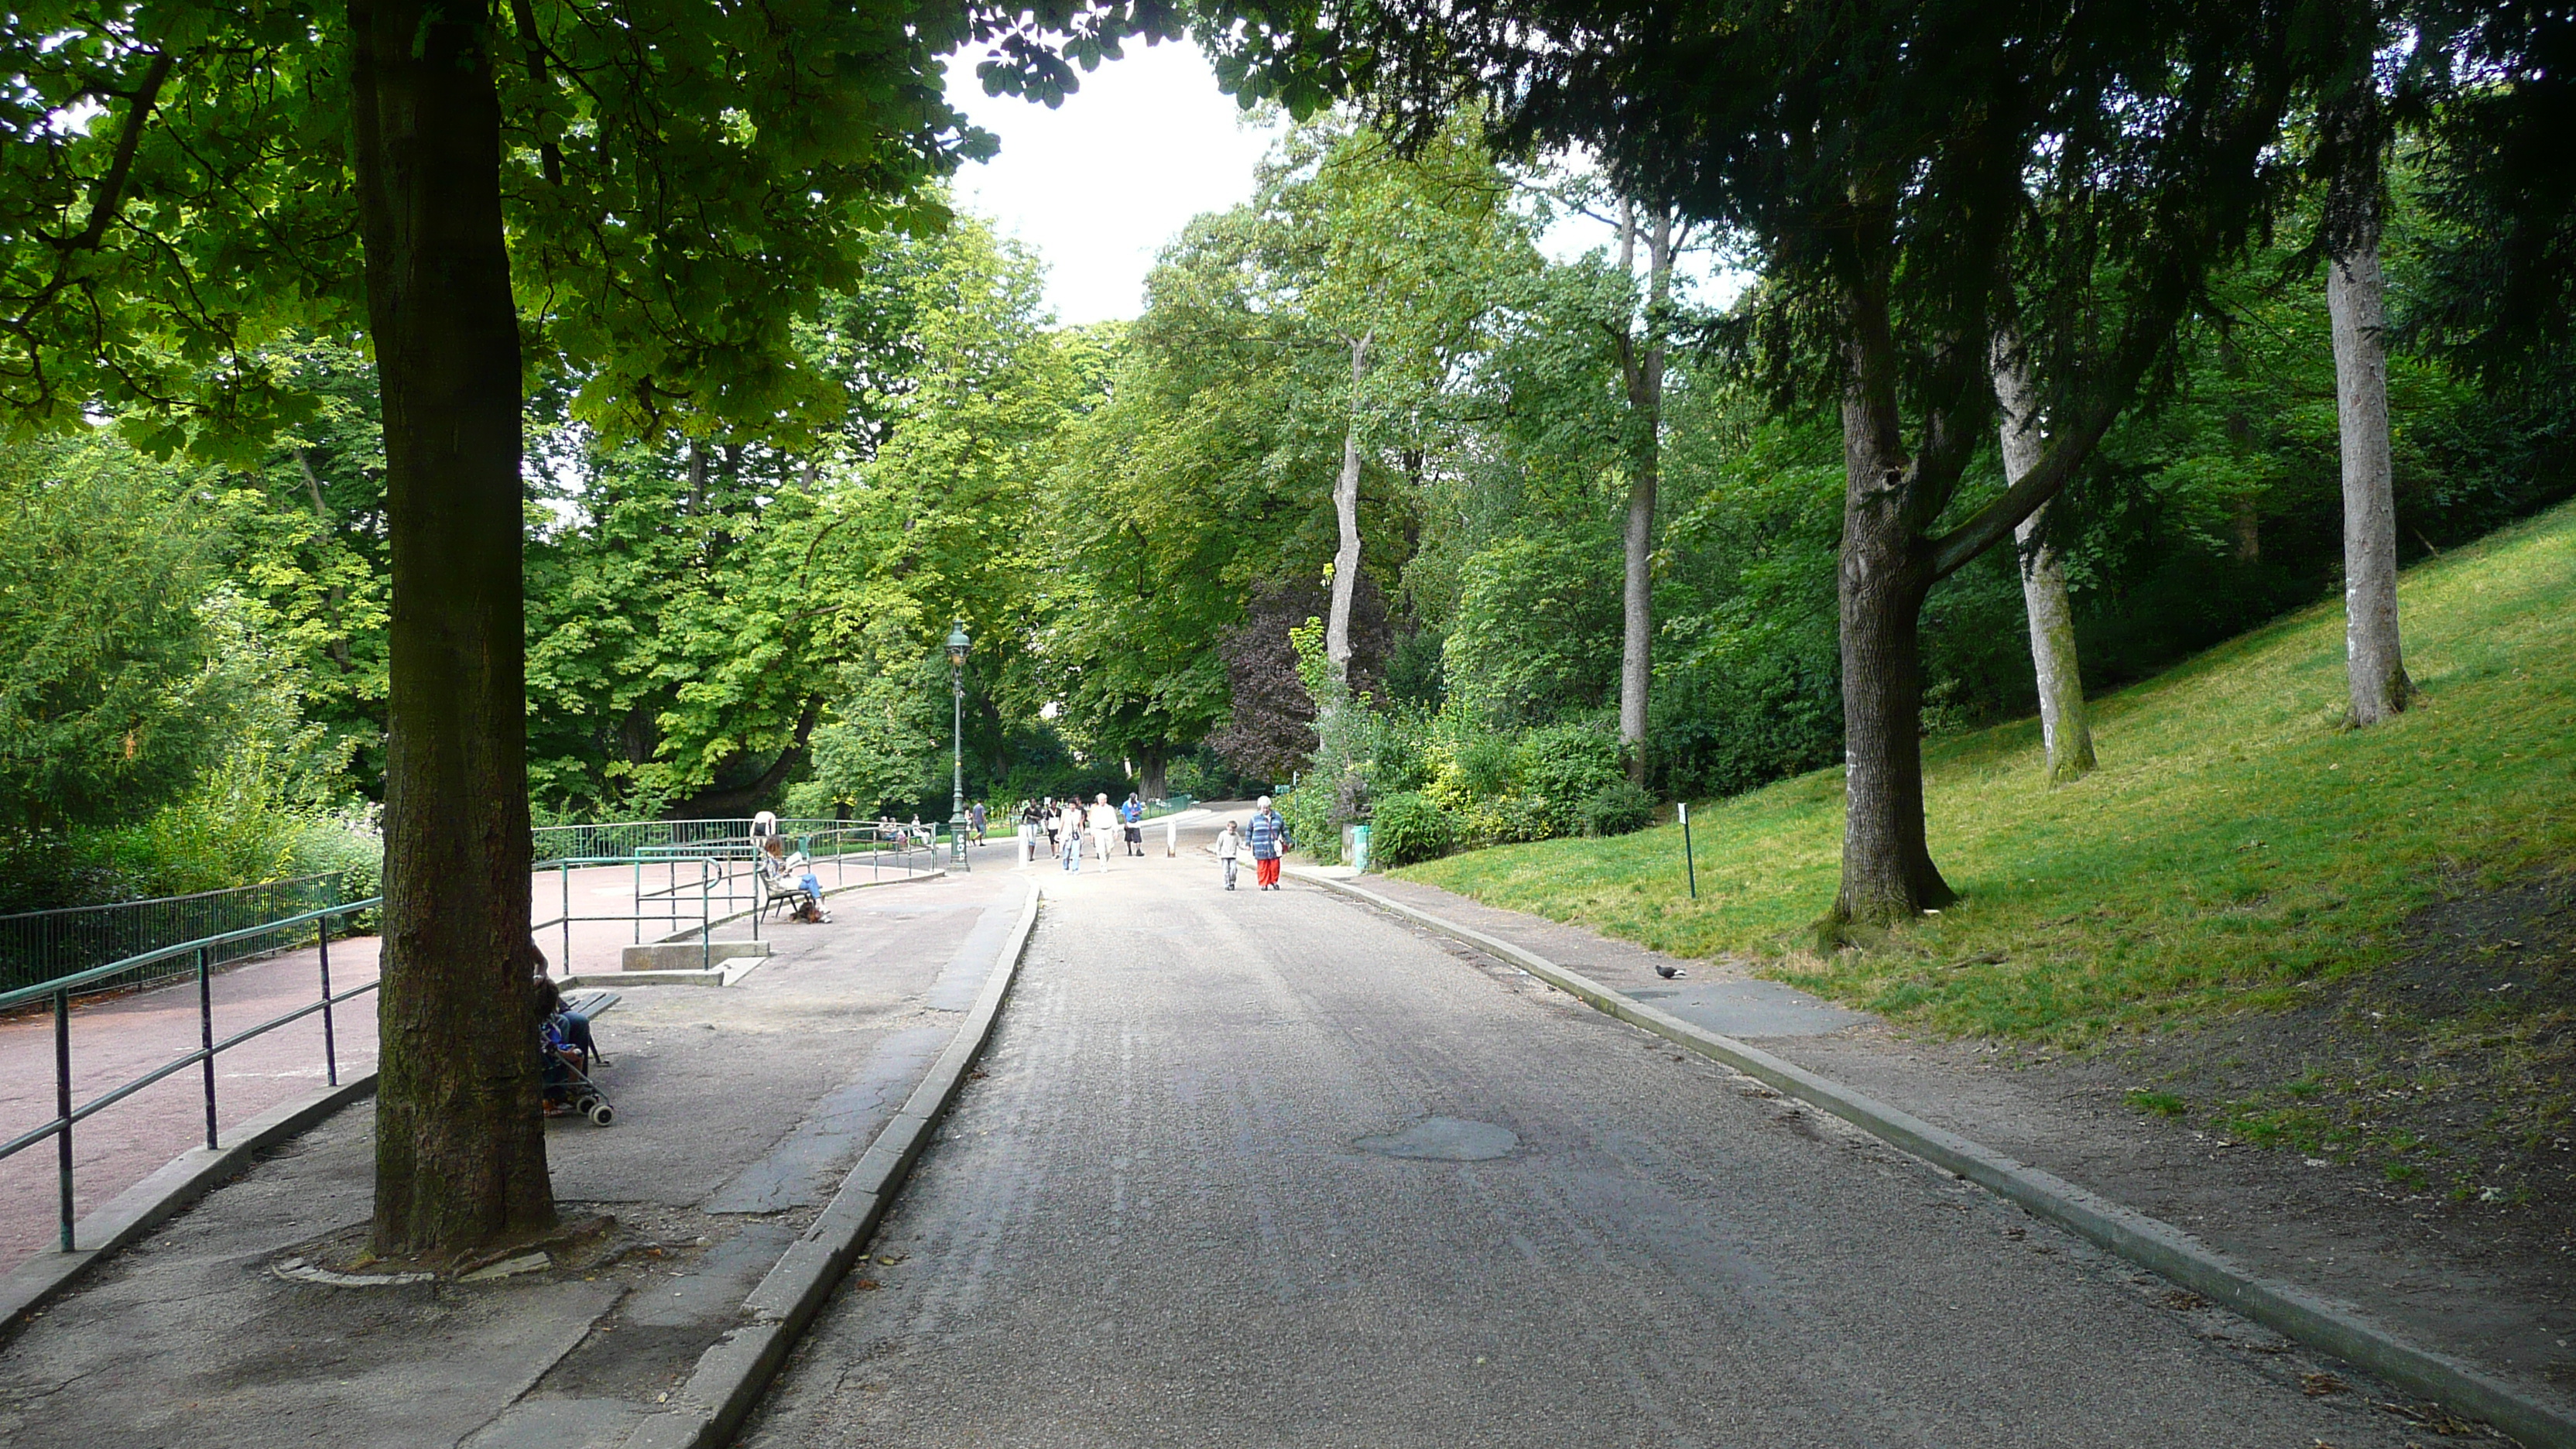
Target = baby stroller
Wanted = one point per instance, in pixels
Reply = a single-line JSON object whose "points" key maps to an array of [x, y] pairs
{"points": [[567, 1076]]}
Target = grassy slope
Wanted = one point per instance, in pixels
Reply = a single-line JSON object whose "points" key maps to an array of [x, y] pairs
{"points": [[2235, 848]]}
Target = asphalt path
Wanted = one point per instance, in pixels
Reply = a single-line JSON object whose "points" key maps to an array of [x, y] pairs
{"points": [[1269, 1169]]}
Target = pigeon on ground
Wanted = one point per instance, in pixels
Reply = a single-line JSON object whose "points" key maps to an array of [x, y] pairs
{"points": [[1667, 972]]}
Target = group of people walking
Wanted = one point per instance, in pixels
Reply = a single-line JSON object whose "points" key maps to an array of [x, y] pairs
{"points": [[1065, 823]]}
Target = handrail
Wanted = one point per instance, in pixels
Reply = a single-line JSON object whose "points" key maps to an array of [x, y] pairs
{"points": [[37, 947], [67, 1116], [10, 1000], [58, 991]]}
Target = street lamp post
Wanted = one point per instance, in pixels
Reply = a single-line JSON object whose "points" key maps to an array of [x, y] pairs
{"points": [[957, 646]]}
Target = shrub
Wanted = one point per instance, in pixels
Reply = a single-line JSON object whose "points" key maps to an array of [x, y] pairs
{"points": [[1308, 809], [1409, 827], [1617, 810], [1508, 820], [1537, 627], [1561, 767], [1480, 767], [1401, 760]]}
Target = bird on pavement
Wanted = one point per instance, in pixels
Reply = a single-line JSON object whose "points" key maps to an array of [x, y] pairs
{"points": [[1667, 972]]}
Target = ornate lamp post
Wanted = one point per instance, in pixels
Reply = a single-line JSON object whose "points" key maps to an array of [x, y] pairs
{"points": [[957, 646]]}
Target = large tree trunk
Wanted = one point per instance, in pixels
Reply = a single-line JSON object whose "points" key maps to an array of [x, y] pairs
{"points": [[1152, 771], [1642, 366], [2063, 721], [1886, 571], [1346, 512], [460, 1140], [2375, 667]]}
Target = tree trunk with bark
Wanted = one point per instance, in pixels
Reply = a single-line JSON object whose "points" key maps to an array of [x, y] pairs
{"points": [[1641, 365], [1887, 569], [2356, 304], [1346, 512], [1152, 772], [1888, 873], [2064, 723], [460, 1140]]}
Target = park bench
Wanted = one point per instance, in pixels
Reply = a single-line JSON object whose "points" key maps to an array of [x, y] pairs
{"points": [[590, 1003]]}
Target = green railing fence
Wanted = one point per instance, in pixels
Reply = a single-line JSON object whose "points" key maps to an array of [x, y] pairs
{"points": [[39, 946], [198, 956], [708, 877]]}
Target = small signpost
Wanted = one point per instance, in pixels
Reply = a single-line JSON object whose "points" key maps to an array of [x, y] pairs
{"points": [[1689, 866]]}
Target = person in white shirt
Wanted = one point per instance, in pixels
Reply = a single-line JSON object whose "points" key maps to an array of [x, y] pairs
{"points": [[1104, 826], [1069, 828], [1229, 847]]}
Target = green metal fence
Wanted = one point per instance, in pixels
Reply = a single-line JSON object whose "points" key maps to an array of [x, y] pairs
{"points": [[39, 946], [634, 837]]}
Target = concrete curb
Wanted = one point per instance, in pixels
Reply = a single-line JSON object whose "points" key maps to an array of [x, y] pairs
{"points": [[717, 976], [149, 1203], [2285, 1307], [732, 1375]]}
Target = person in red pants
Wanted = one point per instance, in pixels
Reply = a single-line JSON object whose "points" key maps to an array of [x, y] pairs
{"points": [[1268, 837]]}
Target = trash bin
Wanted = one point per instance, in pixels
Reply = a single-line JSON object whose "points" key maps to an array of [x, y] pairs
{"points": [[1355, 846]]}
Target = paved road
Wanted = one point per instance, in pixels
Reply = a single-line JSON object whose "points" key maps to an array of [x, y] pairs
{"points": [[1270, 1169]]}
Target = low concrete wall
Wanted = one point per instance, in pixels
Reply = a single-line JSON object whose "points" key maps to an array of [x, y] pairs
{"points": [[686, 955]]}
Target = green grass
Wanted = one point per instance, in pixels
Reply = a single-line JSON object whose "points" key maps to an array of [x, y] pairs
{"points": [[2237, 848]]}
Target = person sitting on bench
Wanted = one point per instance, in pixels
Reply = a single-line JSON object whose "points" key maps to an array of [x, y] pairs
{"points": [[792, 875], [570, 1025]]}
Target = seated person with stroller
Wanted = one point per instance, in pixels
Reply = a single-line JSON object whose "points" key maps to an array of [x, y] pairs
{"points": [[785, 874], [568, 1052]]}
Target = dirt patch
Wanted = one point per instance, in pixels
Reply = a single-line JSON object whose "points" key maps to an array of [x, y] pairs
{"points": [[2404, 1141], [2452, 1073]]}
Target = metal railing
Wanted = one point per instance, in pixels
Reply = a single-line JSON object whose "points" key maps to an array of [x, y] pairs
{"points": [[708, 877], [204, 953], [36, 947], [717, 869], [630, 837], [722, 876]]}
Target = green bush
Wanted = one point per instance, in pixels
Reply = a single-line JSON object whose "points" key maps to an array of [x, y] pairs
{"points": [[1308, 809], [1563, 766], [1617, 810], [1537, 627], [1409, 827], [1401, 761], [1508, 820], [1480, 767]]}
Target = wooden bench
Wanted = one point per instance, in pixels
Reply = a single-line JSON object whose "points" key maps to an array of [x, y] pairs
{"points": [[590, 1003]]}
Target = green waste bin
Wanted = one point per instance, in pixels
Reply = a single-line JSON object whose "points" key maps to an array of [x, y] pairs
{"points": [[1355, 846]]}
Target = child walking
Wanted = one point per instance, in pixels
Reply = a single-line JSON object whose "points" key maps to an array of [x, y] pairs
{"points": [[1229, 846]]}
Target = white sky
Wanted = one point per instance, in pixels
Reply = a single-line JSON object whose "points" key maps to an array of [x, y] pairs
{"points": [[1100, 184]]}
